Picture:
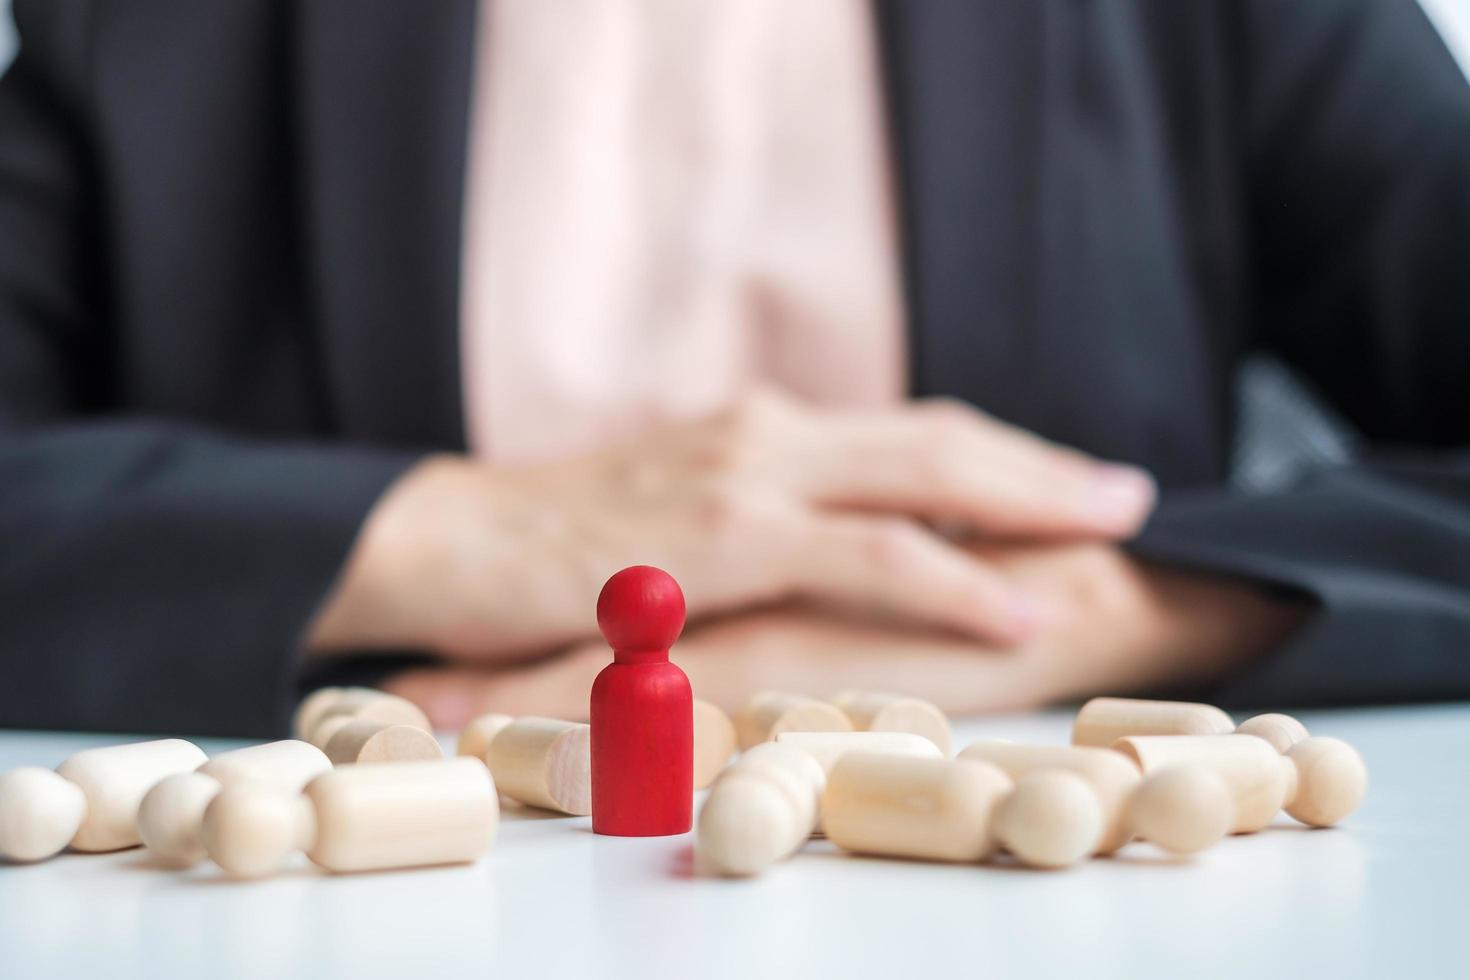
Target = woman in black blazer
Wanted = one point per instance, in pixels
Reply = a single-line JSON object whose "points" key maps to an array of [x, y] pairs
{"points": [[229, 239]]}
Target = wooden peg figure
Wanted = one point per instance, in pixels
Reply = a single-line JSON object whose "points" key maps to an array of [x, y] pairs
{"points": [[642, 711]]}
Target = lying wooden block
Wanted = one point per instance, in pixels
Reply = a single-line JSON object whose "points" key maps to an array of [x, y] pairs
{"points": [[358, 818], [171, 816], [544, 762], [770, 713], [874, 712]]}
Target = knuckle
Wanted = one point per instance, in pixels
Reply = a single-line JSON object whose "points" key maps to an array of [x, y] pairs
{"points": [[895, 546], [742, 433], [949, 415], [728, 511], [1100, 579]]}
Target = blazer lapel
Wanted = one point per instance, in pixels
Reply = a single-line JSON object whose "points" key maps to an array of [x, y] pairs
{"points": [[964, 84], [383, 103]]}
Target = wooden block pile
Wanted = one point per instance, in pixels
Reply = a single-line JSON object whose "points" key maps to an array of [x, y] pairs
{"points": [[365, 786], [875, 775]]}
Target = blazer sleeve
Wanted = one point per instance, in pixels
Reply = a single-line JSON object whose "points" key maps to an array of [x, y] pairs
{"points": [[154, 576], [1355, 146]]}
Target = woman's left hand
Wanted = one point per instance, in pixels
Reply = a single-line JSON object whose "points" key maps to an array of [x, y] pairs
{"points": [[1110, 624]]}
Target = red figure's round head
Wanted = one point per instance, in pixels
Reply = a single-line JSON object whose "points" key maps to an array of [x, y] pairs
{"points": [[641, 609]]}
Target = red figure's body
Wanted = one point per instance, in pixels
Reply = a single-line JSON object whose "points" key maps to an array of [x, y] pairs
{"points": [[642, 711]]}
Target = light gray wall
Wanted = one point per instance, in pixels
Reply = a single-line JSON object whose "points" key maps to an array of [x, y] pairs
{"points": [[1452, 17], [7, 34]]}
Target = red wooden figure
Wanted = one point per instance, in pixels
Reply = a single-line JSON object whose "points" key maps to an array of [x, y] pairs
{"points": [[642, 711]]}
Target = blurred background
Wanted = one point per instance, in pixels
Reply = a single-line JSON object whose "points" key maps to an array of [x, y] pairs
{"points": [[1271, 537], [1283, 427]]}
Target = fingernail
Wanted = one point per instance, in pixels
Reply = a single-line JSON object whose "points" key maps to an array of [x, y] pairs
{"points": [[1120, 497]]}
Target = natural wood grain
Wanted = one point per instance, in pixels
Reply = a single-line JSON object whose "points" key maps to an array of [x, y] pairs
{"points": [[544, 762], [368, 740]]}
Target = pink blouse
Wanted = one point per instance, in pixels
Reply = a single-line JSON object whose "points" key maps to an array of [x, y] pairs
{"points": [[667, 203]]}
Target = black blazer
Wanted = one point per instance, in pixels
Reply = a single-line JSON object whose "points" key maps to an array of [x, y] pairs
{"points": [[229, 254]]}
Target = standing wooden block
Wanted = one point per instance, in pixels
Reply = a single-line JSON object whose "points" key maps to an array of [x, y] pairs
{"points": [[1282, 731], [828, 747], [40, 812], [770, 713], [934, 809], [714, 742], [115, 780], [1102, 721], [475, 739], [761, 810], [367, 740], [171, 816], [642, 711], [544, 762], [1111, 775], [873, 712], [362, 818], [1260, 781]]}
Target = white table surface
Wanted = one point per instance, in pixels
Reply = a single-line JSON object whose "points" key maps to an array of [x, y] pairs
{"points": [[1387, 894]]}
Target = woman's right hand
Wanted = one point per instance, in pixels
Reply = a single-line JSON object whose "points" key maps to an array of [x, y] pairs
{"points": [[765, 502]]}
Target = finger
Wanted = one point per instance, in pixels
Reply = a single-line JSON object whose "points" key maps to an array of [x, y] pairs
{"points": [[555, 687], [892, 565], [816, 652], [948, 461]]}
